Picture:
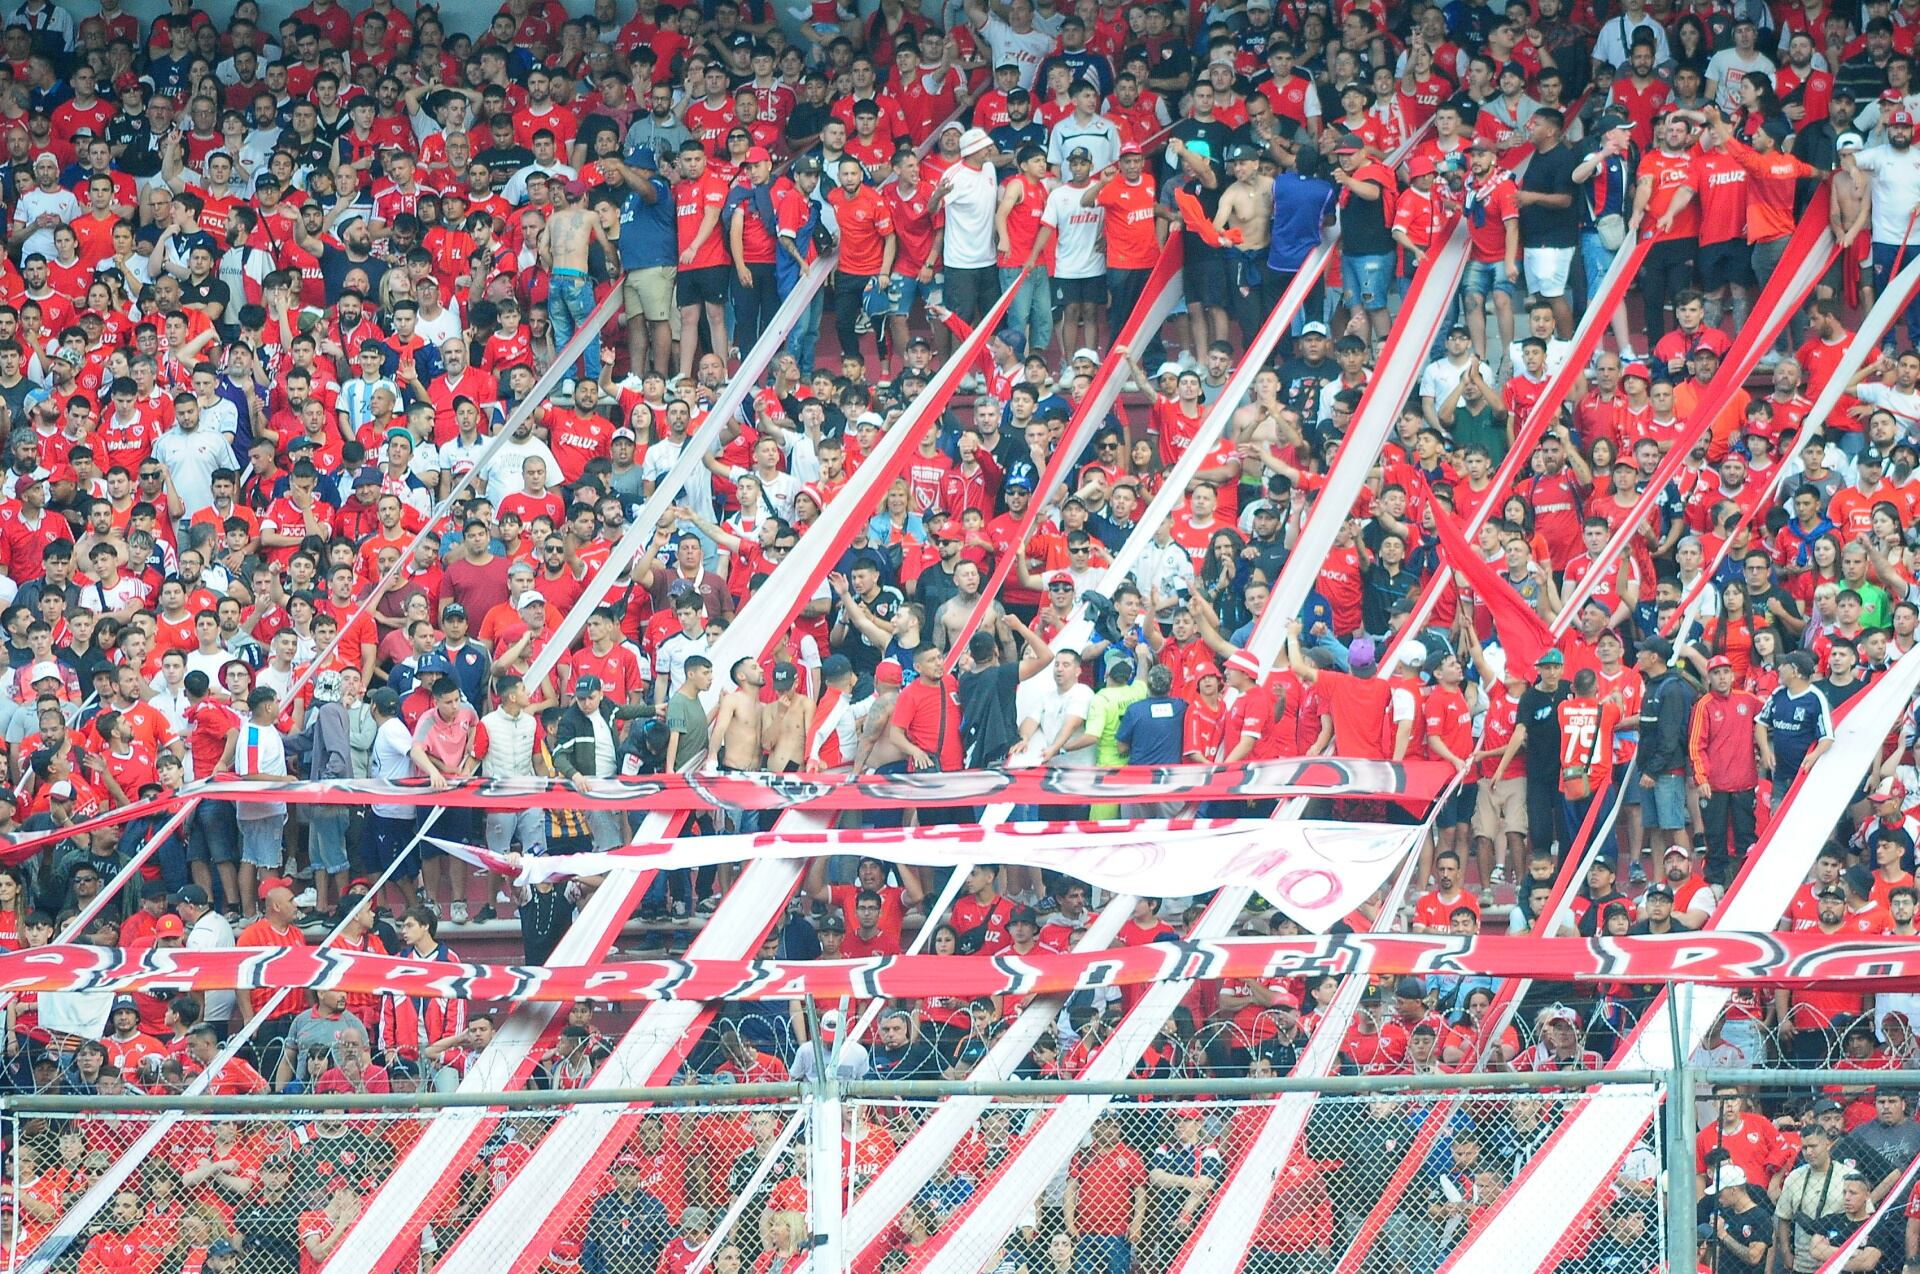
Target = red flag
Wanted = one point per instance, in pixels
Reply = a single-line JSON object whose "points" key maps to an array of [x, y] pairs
{"points": [[1522, 633], [1200, 223]]}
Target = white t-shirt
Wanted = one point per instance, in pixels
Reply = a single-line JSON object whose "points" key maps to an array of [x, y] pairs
{"points": [[391, 760], [102, 598], [191, 456], [1053, 708], [1896, 189], [61, 204], [1616, 37], [1078, 254], [1441, 376], [211, 932], [1026, 51], [1728, 68], [1558, 352], [969, 205], [260, 750]]}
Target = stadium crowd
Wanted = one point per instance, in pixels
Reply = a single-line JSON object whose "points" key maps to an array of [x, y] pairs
{"points": [[274, 283]]}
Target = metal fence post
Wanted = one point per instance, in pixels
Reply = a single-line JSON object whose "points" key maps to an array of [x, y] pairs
{"points": [[1682, 1228]]}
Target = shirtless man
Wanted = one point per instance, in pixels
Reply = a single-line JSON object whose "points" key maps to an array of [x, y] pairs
{"points": [[950, 624], [1247, 206], [739, 728], [789, 721], [571, 232]]}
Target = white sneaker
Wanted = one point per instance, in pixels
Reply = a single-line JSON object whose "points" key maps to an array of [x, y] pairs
{"points": [[459, 912], [306, 899]]}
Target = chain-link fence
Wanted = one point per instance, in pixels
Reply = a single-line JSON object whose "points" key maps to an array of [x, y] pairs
{"points": [[1353, 1175], [1387, 1182]]}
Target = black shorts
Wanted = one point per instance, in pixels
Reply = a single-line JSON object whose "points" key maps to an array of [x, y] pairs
{"points": [[1205, 277], [1091, 291], [706, 286], [1724, 263]]}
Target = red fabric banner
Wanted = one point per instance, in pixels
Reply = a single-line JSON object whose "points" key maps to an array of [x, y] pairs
{"points": [[1799, 959]]}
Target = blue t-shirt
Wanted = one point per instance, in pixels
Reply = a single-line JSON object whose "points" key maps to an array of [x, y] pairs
{"points": [[649, 233], [1154, 731], [1795, 723], [1301, 206]]}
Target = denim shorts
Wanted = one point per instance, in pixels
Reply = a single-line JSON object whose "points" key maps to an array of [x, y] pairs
{"points": [[1366, 280], [1484, 278], [261, 840], [327, 838], [1666, 805], [907, 288]]}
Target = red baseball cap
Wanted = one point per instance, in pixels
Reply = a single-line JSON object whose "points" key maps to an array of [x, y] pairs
{"points": [[758, 155], [1420, 166], [270, 883], [1717, 662]]}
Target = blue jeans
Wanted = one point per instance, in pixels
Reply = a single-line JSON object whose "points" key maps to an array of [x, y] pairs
{"points": [[1884, 255], [806, 332], [1595, 261], [1102, 1254], [1031, 313], [1366, 280], [569, 303]]}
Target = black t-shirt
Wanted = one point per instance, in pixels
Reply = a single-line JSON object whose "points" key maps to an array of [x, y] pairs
{"points": [[1755, 1225], [1538, 713], [1550, 172], [1301, 381], [1836, 695], [988, 718], [1888, 1236], [1363, 226], [859, 648]]}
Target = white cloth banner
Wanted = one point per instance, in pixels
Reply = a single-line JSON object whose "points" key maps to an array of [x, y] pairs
{"points": [[1315, 872]]}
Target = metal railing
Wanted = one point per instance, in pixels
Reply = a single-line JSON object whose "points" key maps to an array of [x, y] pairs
{"points": [[728, 1170]]}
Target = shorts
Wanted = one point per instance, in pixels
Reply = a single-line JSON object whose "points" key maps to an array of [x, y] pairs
{"points": [[263, 841], [212, 836], [648, 293], [1458, 811], [1726, 263], [1367, 280], [327, 838], [904, 289], [1666, 804], [387, 841], [1484, 278], [1091, 291], [1547, 270], [705, 286], [529, 827], [1204, 278], [1500, 807]]}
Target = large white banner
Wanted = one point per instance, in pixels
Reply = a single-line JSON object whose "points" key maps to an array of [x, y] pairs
{"points": [[1315, 872]]}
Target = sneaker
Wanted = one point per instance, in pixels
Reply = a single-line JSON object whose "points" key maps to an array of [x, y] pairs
{"points": [[1486, 897], [306, 899], [709, 904], [459, 912], [487, 913], [677, 909], [1499, 875]]}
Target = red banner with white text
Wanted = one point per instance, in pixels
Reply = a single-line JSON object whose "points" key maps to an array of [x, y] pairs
{"points": [[1798, 959]]}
